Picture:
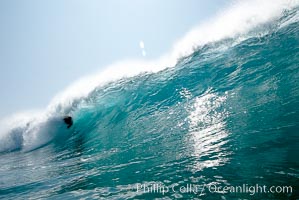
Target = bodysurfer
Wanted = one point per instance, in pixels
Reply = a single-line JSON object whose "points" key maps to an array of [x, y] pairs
{"points": [[68, 120]]}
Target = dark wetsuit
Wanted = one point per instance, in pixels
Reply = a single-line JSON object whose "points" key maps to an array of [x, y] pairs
{"points": [[68, 120]]}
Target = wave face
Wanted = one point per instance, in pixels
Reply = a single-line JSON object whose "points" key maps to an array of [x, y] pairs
{"points": [[227, 114]]}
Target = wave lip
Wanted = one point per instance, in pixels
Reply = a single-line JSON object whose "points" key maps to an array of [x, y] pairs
{"points": [[235, 21]]}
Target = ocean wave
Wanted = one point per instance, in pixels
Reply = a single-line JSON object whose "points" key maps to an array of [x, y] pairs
{"points": [[241, 21]]}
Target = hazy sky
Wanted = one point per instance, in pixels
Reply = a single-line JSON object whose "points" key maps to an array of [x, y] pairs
{"points": [[47, 45]]}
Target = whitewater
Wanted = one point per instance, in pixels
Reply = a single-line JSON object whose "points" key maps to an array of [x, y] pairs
{"points": [[221, 108]]}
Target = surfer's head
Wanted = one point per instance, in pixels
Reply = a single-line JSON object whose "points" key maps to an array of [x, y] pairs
{"points": [[68, 120]]}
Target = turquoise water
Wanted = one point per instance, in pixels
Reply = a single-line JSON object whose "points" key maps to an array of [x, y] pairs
{"points": [[226, 115]]}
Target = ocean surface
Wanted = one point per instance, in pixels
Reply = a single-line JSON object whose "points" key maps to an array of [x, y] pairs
{"points": [[226, 114]]}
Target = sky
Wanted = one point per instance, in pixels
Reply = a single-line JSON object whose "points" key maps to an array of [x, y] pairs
{"points": [[47, 45]]}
